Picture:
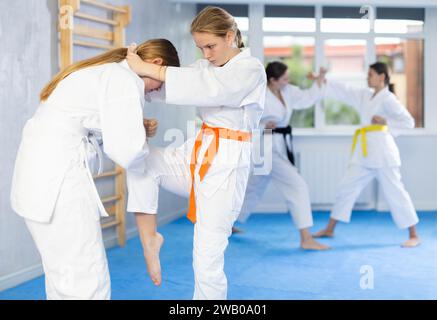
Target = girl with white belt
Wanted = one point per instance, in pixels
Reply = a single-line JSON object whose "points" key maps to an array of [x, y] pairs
{"points": [[281, 99], [375, 153], [53, 188], [228, 87]]}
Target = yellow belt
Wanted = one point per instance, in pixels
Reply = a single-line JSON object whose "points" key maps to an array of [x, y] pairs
{"points": [[362, 131]]}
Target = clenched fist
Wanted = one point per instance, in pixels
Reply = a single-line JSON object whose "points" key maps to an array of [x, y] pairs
{"points": [[151, 126], [379, 120], [271, 125]]}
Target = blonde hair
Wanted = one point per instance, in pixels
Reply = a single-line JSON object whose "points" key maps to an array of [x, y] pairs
{"points": [[216, 21], [149, 50]]}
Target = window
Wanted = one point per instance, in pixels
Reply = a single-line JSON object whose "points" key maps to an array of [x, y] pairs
{"points": [[404, 55], [289, 19], [344, 20], [346, 39], [242, 23], [405, 60], [346, 62], [289, 24], [399, 20], [298, 54]]}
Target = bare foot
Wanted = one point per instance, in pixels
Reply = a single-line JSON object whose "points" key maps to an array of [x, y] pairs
{"points": [[311, 244], [412, 242], [237, 230], [152, 247], [325, 233]]}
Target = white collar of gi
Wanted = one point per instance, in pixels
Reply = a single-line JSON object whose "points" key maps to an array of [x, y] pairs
{"points": [[245, 53], [125, 65], [381, 93]]}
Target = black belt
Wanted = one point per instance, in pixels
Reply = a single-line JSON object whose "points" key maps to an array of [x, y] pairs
{"points": [[285, 132]]}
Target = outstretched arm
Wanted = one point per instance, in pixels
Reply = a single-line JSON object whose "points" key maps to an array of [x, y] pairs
{"points": [[205, 87], [306, 98], [347, 94]]}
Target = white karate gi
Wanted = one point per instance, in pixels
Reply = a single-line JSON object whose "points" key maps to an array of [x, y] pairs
{"points": [[382, 161], [230, 97], [283, 174], [52, 185]]}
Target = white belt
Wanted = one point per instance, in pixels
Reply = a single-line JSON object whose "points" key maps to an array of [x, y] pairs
{"points": [[62, 121], [84, 153]]}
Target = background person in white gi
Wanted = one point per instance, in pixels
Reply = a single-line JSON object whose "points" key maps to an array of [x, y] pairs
{"points": [[376, 154], [52, 185], [229, 87], [281, 99]]}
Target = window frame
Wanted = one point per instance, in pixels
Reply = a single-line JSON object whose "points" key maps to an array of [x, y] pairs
{"points": [[256, 35]]}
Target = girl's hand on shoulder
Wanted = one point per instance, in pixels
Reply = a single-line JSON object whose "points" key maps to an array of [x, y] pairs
{"points": [[134, 60]]}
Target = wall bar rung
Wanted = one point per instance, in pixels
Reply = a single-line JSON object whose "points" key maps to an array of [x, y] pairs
{"points": [[111, 199], [85, 31], [95, 18], [93, 45], [108, 174], [104, 6], [110, 224]]}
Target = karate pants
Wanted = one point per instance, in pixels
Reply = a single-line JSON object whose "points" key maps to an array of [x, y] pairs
{"points": [[71, 245], [358, 177], [291, 185], [215, 213]]}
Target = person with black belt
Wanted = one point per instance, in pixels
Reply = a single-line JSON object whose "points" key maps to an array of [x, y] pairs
{"points": [[281, 99]]}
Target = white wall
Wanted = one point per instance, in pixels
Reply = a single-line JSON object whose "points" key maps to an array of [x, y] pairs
{"points": [[25, 65], [28, 33]]}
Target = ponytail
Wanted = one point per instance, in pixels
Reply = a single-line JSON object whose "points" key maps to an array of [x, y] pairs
{"points": [[391, 87], [239, 39]]}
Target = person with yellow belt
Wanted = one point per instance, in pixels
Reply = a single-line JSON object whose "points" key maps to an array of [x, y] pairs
{"points": [[228, 87], [374, 152]]}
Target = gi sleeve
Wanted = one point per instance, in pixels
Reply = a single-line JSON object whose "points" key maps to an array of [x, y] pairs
{"points": [[347, 94], [304, 98], [396, 114], [123, 132]]}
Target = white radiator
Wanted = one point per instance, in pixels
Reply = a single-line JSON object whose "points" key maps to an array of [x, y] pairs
{"points": [[323, 171]]}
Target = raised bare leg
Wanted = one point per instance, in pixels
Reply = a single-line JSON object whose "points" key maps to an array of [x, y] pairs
{"points": [[152, 242]]}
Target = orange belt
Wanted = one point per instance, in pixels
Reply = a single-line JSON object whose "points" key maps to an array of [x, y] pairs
{"points": [[209, 157]]}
